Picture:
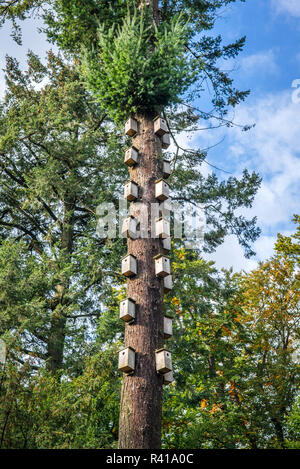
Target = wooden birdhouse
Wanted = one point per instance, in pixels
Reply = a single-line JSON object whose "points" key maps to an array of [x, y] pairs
{"points": [[2, 352], [166, 245], [131, 127], [127, 310], [163, 361], [129, 265], [131, 156], [162, 228], [168, 327], [162, 266], [129, 227], [168, 283], [161, 189], [127, 360], [165, 207], [160, 126], [165, 141], [131, 191], [166, 169], [168, 378]]}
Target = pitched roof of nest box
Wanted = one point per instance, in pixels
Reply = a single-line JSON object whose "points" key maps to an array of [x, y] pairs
{"points": [[162, 350], [125, 348], [127, 255], [161, 179], [158, 256]]}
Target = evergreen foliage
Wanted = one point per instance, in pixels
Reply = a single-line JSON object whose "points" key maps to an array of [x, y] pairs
{"points": [[54, 173], [139, 68]]}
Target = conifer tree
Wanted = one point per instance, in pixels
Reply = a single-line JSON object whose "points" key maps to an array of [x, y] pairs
{"points": [[51, 257]]}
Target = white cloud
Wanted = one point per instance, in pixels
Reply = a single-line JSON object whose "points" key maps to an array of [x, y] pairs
{"points": [[230, 254], [264, 247], [263, 61], [291, 7], [273, 149]]}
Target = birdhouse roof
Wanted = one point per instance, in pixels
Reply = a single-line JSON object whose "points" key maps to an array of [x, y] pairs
{"points": [[162, 350], [128, 255], [158, 256], [130, 299], [161, 179], [132, 148], [122, 350], [132, 182]]}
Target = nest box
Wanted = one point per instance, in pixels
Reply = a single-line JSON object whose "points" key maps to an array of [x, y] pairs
{"points": [[160, 126], [131, 127], [168, 378], [2, 351], [131, 191], [165, 207], [162, 228], [131, 156], [168, 327], [168, 283], [127, 310], [163, 361], [129, 265], [161, 190], [127, 360], [166, 168], [162, 266], [165, 142], [166, 245], [129, 227]]}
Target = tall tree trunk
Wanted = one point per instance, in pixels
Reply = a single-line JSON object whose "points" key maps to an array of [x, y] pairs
{"points": [[56, 339], [141, 400]]}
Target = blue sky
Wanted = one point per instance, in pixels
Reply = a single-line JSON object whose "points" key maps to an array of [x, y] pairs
{"points": [[268, 65]]}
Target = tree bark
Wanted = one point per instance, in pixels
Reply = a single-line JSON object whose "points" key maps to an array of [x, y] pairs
{"points": [[56, 339], [141, 399]]}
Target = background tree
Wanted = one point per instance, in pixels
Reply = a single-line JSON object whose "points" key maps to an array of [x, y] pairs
{"points": [[236, 380], [39, 411], [234, 349], [293, 427], [290, 245], [51, 257]]}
